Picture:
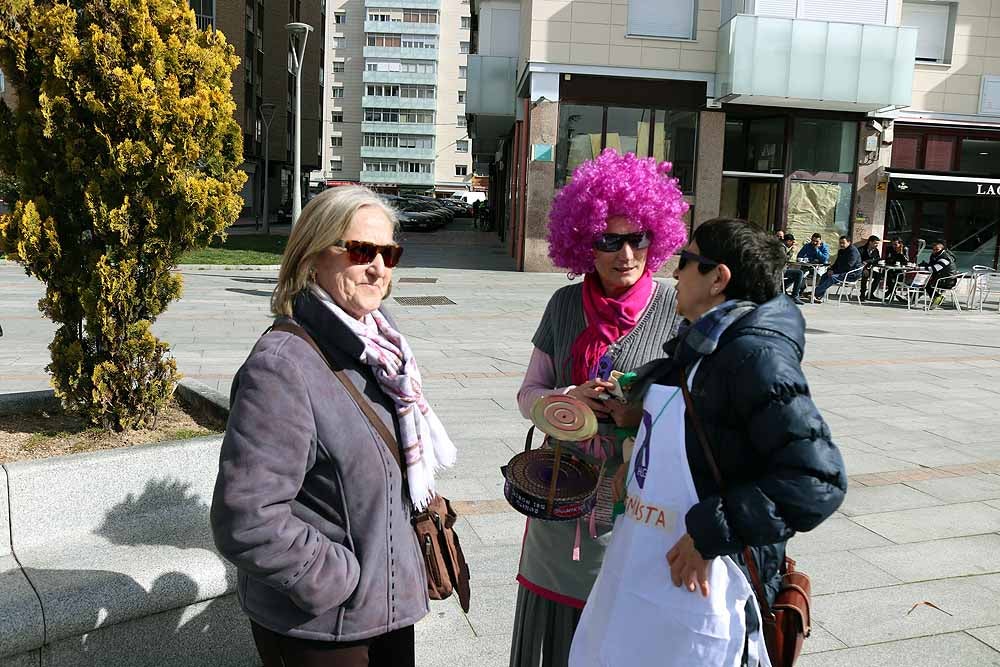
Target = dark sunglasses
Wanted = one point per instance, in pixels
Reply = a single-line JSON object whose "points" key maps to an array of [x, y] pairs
{"points": [[363, 252], [687, 256], [615, 242]]}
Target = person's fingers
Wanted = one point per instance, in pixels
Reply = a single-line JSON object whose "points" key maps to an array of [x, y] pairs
{"points": [[675, 575], [704, 588]]}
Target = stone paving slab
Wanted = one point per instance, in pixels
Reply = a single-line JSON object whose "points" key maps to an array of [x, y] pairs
{"points": [[933, 523], [937, 559], [949, 650], [885, 614]]}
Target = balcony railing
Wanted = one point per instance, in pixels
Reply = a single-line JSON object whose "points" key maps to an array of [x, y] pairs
{"points": [[490, 86], [402, 27], [400, 77], [398, 128], [393, 102], [204, 21], [815, 64], [400, 52], [404, 4], [399, 153], [397, 177]]}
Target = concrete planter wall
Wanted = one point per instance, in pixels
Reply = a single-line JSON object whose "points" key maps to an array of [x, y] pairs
{"points": [[106, 558]]}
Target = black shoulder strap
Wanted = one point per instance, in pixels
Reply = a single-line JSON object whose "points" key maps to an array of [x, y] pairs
{"points": [[706, 447]]}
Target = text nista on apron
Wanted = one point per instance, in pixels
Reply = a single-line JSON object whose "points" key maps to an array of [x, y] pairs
{"points": [[635, 616]]}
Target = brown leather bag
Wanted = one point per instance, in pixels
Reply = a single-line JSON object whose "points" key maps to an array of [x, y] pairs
{"points": [[787, 621], [447, 571]]}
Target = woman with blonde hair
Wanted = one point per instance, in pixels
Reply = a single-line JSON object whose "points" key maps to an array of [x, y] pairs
{"points": [[310, 503]]}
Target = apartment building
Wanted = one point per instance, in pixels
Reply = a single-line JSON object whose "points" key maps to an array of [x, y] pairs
{"points": [[394, 101], [838, 116], [264, 77]]}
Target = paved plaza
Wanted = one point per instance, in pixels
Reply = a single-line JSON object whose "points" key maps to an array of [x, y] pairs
{"points": [[906, 573]]}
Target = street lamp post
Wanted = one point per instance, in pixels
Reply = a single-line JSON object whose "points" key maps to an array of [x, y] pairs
{"points": [[298, 33], [266, 116]]}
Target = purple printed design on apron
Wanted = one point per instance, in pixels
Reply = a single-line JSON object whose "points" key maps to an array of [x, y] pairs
{"points": [[642, 455]]}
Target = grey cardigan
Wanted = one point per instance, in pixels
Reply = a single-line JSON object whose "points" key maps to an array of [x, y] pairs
{"points": [[309, 504]]}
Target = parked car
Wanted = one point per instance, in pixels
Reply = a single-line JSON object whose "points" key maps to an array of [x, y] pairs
{"points": [[457, 206], [442, 215], [437, 204], [412, 215]]}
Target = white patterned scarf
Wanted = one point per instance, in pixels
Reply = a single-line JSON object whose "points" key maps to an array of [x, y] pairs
{"points": [[426, 445]]}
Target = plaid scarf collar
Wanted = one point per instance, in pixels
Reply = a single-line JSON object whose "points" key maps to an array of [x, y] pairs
{"points": [[701, 337]]}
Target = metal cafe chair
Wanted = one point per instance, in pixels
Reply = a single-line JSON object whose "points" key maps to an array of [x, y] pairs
{"points": [[978, 276], [915, 290], [987, 284], [952, 291], [852, 281]]}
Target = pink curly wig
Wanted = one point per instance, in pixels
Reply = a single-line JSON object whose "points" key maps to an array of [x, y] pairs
{"points": [[612, 184]]}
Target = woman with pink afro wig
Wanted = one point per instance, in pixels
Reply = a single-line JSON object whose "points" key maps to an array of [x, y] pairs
{"points": [[615, 224], [639, 189]]}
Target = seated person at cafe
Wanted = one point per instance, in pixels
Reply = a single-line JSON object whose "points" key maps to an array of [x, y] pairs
{"points": [[794, 277], [896, 255], [871, 255], [815, 252], [943, 266], [847, 260]]}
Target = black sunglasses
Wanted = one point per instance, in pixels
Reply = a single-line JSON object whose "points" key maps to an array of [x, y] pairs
{"points": [[687, 256], [615, 242], [363, 252]]}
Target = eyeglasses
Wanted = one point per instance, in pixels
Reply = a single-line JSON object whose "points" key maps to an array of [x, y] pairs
{"points": [[615, 242], [687, 256], [363, 252]]}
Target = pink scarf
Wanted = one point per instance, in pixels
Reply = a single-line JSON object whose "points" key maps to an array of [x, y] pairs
{"points": [[608, 320]]}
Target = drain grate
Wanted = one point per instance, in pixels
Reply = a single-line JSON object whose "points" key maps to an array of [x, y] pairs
{"points": [[424, 301], [428, 281]]}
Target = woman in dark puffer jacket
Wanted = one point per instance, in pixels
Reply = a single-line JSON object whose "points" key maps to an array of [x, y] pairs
{"points": [[782, 471]]}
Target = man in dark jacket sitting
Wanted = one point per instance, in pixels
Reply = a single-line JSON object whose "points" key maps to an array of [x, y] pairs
{"points": [[781, 470], [871, 255], [943, 266], [848, 259]]}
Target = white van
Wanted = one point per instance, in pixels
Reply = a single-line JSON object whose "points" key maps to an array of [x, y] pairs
{"points": [[469, 197]]}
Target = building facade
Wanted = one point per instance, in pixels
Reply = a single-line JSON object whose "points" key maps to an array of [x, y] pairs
{"points": [[263, 78], [803, 115], [394, 101]]}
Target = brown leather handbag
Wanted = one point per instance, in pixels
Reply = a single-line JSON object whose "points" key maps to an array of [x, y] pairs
{"points": [[447, 571], [787, 621]]}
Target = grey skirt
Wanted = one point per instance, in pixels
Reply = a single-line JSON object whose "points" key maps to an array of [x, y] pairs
{"points": [[543, 631]]}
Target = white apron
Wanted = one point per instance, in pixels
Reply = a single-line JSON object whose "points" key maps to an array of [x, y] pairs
{"points": [[635, 616]]}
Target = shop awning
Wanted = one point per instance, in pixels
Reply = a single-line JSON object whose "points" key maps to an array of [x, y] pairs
{"points": [[942, 184]]}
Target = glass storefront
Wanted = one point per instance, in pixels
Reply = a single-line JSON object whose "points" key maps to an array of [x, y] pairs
{"points": [[585, 130]]}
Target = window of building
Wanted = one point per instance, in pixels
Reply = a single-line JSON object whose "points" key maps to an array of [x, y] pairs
{"points": [[338, 66], [461, 97], [463, 72], [340, 42], [382, 115], [418, 42], [336, 164], [756, 144], [462, 146], [418, 67], [416, 117], [824, 146], [3, 84], [336, 141], [379, 140], [461, 170], [466, 22], [579, 138], [340, 18], [337, 118], [415, 167], [416, 141], [382, 90], [655, 18], [417, 92], [936, 29], [379, 15], [338, 92], [460, 121], [380, 39], [378, 165], [420, 16], [463, 47]]}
